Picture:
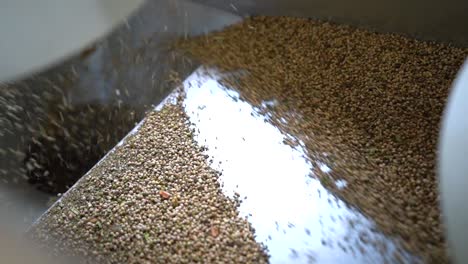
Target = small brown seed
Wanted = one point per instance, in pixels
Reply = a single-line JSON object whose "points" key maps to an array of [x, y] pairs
{"points": [[164, 194]]}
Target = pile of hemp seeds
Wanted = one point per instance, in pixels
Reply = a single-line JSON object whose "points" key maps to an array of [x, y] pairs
{"points": [[368, 105], [153, 199]]}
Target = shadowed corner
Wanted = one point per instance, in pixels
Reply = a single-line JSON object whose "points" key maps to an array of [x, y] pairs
{"points": [[16, 248]]}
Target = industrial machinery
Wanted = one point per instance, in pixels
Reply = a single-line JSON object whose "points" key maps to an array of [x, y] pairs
{"points": [[87, 50]]}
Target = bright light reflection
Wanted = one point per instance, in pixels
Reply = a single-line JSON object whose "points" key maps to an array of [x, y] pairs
{"points": [[297, 219]]}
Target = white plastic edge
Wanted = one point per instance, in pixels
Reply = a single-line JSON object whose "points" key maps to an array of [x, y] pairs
{"points": [[36, 34], [453, 167]]}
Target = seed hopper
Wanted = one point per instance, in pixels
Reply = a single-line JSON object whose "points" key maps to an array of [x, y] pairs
{"points": [[61, 121]]}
